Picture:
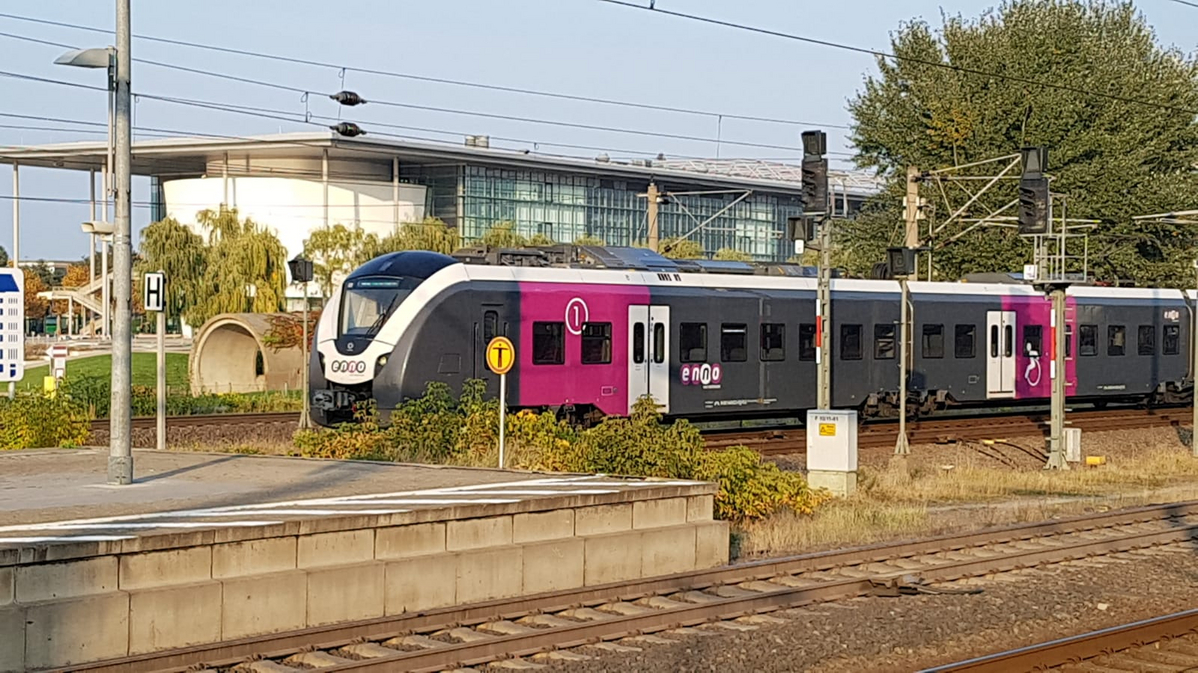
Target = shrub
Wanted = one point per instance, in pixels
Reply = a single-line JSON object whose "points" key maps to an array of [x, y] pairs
{"points": [[32, 420], [94, 393], [361, 440], [752, 488], [437, 428]]}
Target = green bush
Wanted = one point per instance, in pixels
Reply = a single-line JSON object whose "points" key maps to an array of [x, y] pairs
{"points": [[437, 428], [33, 420]]}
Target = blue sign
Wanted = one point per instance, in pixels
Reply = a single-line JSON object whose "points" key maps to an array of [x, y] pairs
{"points": [[12, 325]]}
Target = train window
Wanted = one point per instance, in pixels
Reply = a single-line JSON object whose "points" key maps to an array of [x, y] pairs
{"points": [[965, 344], [596, 343], [994, 341], [1172, 342], [1146, 342], [1032, 341], [850, 342], [1087, 340], [807, 341], [659, 343], [638, 343], [1116, 339], [933, 341], [1068, 341], [490, 325], [773, 341], [884, 342], [692, 342], [548, 343], [734, 342], [1008, 340]]}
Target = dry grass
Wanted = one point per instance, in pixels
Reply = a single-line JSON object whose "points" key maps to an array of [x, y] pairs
{"points": [[853, 521], [970, 481], [965, 490]]}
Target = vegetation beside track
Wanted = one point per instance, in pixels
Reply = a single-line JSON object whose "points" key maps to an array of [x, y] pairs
{"points": [[439, 428]]}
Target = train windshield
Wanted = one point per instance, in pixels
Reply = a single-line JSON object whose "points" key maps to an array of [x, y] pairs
{"points": [[368, 302]]}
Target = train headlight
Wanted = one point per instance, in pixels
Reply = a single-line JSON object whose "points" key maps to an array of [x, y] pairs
{"points": [[378, 364], [382, 361]]}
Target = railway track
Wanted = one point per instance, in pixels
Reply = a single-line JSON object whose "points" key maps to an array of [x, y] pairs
{"points": [[782, 441], [1166, 643], [585, 622], [882, 434], [205, 420]]}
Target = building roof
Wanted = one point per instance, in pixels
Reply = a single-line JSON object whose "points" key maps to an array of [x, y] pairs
{"points": [[191, 156], [857, 183]]}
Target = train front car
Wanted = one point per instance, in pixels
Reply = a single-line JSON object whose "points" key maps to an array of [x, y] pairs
{"points": [[375, 310]]}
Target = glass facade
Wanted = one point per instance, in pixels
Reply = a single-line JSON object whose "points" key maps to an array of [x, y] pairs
{"points": [[566, 207]]}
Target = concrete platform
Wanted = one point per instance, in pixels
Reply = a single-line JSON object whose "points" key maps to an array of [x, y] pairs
{"points": [[207, 548]]}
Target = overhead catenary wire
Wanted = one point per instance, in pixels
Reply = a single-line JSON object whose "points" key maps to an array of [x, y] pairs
{"points": [[455, 111], [424, 78], [894, 57]]}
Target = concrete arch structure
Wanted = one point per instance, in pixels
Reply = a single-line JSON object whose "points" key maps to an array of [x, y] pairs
{"points": [[228, 355]]}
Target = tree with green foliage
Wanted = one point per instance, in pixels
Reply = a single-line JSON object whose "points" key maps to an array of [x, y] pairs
{"points": [[589, 240], [429, 234], [504, 235], [680, 248], [245, 270], [3, 256], [336, 251], [180, 253], [732, 255], [1129, 148]]}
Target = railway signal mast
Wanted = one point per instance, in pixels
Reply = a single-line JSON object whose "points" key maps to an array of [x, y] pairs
{"points": [[1035, 219], [815, 215]]}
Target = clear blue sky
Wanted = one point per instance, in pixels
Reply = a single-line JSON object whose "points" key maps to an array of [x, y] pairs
{"points": [[570, 46]]}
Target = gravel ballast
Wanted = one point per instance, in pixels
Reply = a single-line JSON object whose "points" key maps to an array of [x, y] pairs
{"points": [[913, 632]]}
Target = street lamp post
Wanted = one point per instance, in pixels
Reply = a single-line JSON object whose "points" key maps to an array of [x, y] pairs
{"points": [[94, 58], [302, 271]]}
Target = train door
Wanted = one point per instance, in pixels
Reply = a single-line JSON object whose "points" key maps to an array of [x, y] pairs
{"points": [[1000, 354], [490, 328], [649, 354]]}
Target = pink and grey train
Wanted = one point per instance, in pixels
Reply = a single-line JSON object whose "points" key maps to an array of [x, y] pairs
{"points": [[717, 346]]}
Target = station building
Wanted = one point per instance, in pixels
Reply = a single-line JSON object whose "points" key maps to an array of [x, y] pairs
{"points": [[298, 182]]}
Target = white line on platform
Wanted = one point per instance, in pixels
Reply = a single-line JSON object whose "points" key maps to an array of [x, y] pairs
{"points": [[599, 484], [126, 525], [65, 538]]}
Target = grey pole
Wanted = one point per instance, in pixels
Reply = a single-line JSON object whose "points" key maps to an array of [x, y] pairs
{"points": [[161, 328], [16, 216], [1056, 440], [823, 317], [91, 251], [304, 423], [1194, 369], [120, 453], [902, 446]]}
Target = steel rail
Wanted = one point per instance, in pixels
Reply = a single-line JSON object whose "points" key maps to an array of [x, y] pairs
{"points": [[276, 645], [1080, 647]]}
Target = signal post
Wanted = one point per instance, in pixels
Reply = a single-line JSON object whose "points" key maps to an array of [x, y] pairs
{"points": [[501, 357]]}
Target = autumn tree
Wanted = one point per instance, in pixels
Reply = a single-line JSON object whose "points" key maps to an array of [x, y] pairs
{"points": [[36, 307], [3, 256], [336, 251], [1122, 136], [77, 275]]}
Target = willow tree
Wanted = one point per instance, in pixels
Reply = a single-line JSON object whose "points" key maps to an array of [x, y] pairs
{"points": [[181, 254], [1118, 114], [679, 248], [336, 251], [504, 235], [732, 255], [428, 234], [246, 267]]}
